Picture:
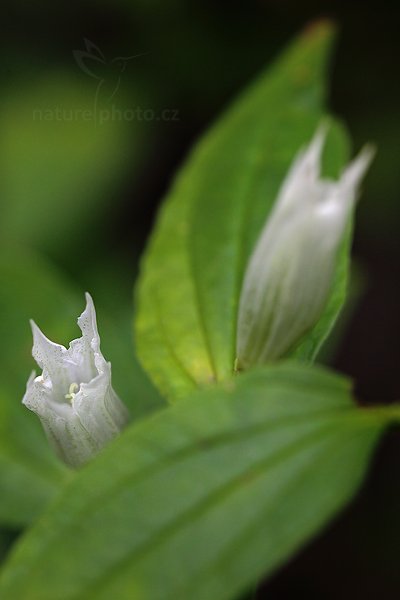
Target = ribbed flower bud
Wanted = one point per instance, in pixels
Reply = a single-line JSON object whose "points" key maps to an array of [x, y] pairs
{"points": [[289, 275]]}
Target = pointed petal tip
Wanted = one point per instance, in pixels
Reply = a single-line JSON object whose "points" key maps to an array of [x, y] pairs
{"points": [[357, 168], [87, 321], [318, 140], [323, 128], [310, 157], [37, 333], [44, 351], [88, 298], [367, 153], [89, 308], [38, 336]]}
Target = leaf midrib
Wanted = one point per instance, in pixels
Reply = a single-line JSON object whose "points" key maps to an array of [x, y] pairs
{"points": [[219, 440], [211, 500]]}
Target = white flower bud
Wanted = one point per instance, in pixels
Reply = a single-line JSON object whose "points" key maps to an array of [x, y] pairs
{"points": [[289, 275], [73, 398]]}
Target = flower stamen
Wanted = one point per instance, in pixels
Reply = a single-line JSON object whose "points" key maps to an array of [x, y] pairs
{"points": [[73, 389]]}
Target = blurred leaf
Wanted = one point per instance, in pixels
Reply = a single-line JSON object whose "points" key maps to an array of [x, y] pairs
{"points": [[32, 288], [59, 162], [192, 272], [29, 474], [205, 497]]}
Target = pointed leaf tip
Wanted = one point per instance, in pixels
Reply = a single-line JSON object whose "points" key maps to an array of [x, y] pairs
{"points": [[321, 28]]}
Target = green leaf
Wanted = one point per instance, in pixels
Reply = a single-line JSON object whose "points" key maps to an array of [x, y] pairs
{"points": [[205, 497], [192, 272]]}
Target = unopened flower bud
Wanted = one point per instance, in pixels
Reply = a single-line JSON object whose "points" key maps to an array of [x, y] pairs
{"points": [[290, 273]]}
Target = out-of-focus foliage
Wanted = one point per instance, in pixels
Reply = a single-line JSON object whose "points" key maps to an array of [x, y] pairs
{"points": [[59, 168]]}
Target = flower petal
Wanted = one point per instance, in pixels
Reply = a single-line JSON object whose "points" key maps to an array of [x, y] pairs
{"points": [[51, 358], [84, 351]]}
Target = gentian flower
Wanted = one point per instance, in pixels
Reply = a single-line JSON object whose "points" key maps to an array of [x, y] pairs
{"points": [[290, 273], [73, 397]]}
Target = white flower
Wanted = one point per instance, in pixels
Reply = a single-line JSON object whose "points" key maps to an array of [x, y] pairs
{"points": [[289, 275], [73, 398]]}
